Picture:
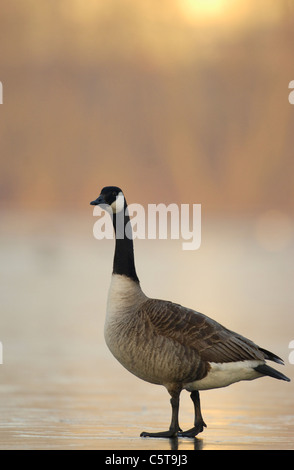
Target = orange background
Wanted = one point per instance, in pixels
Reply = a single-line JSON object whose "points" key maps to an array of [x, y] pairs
{"points": [[175, 101]]}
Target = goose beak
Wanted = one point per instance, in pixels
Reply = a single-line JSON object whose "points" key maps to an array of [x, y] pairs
{"points": [[98, 201]]}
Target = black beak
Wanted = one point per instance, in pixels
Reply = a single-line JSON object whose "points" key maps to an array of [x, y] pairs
{"points": [[98, 201]]}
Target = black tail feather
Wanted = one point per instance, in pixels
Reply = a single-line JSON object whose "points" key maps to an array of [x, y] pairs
{"points": [[264, 369], [271, 356]]}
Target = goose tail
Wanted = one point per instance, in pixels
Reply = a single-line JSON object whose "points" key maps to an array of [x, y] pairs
{"points": [[264, 369]]}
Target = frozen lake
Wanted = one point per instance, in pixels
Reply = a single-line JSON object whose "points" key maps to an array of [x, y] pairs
{"points": [[60, 388]]}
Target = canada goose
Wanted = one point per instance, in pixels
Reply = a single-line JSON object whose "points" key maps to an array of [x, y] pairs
{"points": [[164, 343]]}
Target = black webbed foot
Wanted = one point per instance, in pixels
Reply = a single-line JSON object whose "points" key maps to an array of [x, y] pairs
{"points": [[193, 432], [169, 433]]}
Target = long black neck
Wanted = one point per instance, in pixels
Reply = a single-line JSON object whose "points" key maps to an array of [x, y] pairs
{"points": [[123, 262]]}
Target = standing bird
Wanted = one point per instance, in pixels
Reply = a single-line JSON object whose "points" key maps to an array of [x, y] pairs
{"points": [[164, 343]]}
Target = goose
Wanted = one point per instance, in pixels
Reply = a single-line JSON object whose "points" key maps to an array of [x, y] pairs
{"points": [[164, 343]]}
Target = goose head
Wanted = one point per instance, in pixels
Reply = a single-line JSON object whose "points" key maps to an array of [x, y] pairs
{"points": [[111, 198]]}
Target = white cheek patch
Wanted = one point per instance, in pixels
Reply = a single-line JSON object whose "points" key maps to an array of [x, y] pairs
{"points": [[119, 204]]}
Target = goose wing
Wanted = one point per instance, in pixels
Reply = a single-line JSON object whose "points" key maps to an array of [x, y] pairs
{"points": [[198, 333]]}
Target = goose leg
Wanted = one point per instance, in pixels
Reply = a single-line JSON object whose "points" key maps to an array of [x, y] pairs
{"points": [[174, 425], [199, 424]]}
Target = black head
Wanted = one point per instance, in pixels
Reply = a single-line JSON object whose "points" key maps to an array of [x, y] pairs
{"points": [[111, 196]]}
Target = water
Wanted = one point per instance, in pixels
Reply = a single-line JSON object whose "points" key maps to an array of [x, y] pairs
{"points": [[60, 388]]}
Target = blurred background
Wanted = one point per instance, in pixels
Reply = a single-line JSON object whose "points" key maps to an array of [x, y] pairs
{"points": [[182, 101], [178, 100]]}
